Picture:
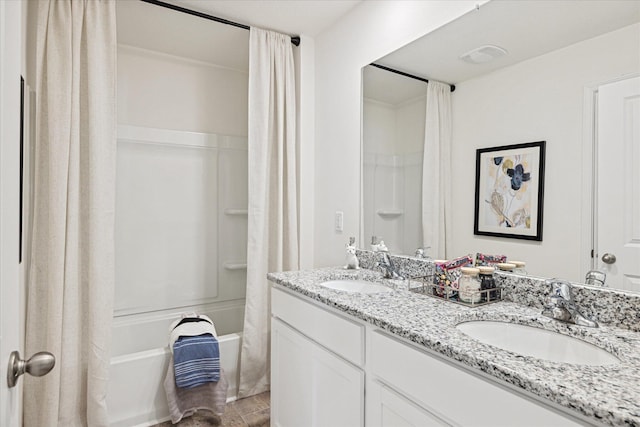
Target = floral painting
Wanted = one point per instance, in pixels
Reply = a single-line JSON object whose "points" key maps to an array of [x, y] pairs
{"points": [[509, 191]]}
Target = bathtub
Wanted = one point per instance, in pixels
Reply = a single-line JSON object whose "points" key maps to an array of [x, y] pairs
{"points": [[139, 361]]}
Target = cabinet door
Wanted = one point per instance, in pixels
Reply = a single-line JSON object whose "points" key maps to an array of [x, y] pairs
{"points": [[310, 386], [386, 408]]}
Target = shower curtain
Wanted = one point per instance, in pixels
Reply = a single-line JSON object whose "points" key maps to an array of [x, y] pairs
{"points": [[436, 171], [70, 295], [273, 200]]}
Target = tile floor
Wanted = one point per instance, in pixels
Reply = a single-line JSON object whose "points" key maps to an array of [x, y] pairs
{"points": [[249, 412]]}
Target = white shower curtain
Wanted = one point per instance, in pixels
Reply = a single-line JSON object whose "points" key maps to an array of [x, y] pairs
{"points": [[273, 199], [436, 171], [70, 295]]}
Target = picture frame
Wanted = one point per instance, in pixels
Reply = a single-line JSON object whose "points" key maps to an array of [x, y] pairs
{"points": [[509, 199]]}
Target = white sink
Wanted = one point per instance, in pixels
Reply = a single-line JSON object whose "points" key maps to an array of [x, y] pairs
{"points": [[356, 286], [536, 342]]}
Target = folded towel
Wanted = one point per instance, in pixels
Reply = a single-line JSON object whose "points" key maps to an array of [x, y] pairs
{"points": [[196, 360], [184, 402]]}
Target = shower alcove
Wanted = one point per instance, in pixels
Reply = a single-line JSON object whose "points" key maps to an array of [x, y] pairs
{"points": [[181, 197]]}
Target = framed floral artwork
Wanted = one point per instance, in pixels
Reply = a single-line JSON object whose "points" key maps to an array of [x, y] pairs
{"points": [[510, 191]]}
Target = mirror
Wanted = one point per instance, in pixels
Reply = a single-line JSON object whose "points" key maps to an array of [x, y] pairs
{"points": [[557, 56]]}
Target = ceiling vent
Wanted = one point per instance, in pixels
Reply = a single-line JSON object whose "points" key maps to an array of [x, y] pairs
{"points": [[483, 54]]}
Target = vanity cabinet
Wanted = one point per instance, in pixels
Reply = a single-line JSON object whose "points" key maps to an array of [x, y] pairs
{"points": [[321, 361], [316, 379], [437, 392]]}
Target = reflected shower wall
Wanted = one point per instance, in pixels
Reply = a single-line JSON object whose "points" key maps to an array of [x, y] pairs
{"points": [[392, 211], [393, 140]]}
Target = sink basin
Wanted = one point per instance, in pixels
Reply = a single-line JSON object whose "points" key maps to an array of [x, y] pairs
{"points": [[536, 342], [356, 286]]}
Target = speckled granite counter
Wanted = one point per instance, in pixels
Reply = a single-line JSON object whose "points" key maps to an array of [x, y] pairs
{"points": [[608, 395]]}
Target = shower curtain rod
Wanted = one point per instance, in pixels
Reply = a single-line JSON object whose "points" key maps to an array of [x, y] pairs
{"points": [[402, 73], [294, 39]]}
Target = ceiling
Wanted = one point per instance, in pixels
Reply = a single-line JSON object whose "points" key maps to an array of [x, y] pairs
{"points": [[309, 17], [390, 88], [525, 28], [160, 29]]}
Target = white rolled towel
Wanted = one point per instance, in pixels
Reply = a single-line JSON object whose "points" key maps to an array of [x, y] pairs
{"points": [[190, 329]]}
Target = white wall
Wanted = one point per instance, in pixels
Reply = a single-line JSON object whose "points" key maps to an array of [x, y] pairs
{"points": [[304, 58], [163, 91], [379, 127], [370, 31], [410, 125], [539, 99]]}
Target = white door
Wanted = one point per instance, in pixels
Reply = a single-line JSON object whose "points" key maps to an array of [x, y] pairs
{"points": [[11, 321], [618, 187]]}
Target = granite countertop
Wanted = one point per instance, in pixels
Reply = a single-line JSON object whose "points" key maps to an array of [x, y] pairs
{"points": [[609, 395]]}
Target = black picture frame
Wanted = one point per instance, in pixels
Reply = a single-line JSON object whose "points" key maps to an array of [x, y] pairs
{"points": [[509, 200]]}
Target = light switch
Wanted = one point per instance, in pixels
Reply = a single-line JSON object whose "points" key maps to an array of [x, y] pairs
{"points": [[339, 220]]}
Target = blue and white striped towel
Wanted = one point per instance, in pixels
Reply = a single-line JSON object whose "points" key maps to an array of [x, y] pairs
{"points": [[196, 360]]}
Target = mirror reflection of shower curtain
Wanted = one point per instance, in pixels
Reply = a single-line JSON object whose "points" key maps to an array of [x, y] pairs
{"points": [[436, 171]]}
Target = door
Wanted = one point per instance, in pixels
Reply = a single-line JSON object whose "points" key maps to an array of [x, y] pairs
{"points": [[11, 313], [618, 184]]}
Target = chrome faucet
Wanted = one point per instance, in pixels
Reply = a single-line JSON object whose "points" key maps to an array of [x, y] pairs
{"points": [[560, 305], [595, 278], [422, 252], [389, 270]]}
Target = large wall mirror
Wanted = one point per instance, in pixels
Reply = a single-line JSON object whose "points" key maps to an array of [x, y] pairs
{"points": [[568, 76]]}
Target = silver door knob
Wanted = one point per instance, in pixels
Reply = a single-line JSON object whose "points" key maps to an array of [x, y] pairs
{"points": [[608, 258], [38, 365]]}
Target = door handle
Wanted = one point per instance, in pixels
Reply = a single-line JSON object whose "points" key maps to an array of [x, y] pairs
{"points": [[608, 258], [38, 365]]}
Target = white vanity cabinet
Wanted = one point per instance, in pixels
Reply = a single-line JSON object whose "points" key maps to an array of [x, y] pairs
{"points": [[436, 392], [316, 374], [319, 368]]}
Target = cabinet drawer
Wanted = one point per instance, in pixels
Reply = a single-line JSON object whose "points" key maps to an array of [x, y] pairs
{"points": [[342, 336], [453, 394]]}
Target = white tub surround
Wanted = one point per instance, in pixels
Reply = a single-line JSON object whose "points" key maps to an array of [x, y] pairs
{"points": [[598, 395], [181, 222]]}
